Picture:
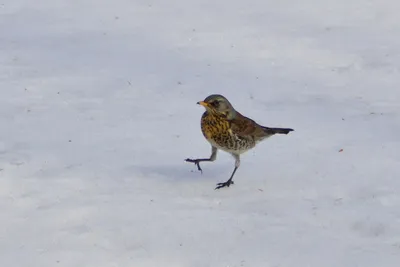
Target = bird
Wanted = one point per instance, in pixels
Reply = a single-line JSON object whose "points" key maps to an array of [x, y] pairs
{"points": [[228, 130]]}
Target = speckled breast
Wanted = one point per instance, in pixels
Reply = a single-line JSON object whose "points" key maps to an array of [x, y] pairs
{"points": [[216, 129]]}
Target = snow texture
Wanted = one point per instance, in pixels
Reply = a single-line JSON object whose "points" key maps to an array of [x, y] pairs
{"points": [[98, 112]]}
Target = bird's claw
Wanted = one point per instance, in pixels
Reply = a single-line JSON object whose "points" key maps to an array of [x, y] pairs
{"points": [[224, 184], [196, 162]]}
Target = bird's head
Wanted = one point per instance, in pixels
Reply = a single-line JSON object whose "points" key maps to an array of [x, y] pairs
{"points": [[218, 104]]}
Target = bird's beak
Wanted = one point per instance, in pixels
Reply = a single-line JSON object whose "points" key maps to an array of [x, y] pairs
{"points": [[202, 103]]}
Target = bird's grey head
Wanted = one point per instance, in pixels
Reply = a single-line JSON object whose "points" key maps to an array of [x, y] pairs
{"points": [[220, 105]]}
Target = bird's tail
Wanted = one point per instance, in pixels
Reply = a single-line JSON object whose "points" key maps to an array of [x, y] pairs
{"points": [[272, 131]]}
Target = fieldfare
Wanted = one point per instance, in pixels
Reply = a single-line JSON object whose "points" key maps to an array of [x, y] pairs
{"points": [[228, 130]]}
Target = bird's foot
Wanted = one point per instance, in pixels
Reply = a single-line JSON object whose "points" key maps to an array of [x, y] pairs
{"points": [[224, 184], [196, 162]]}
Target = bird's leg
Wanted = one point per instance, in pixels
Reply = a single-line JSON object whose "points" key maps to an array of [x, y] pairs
{"points": [[229, 182], [197, 161]]}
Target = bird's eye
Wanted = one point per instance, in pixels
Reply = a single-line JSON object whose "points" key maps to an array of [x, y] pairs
{"points": [[215, 103]]}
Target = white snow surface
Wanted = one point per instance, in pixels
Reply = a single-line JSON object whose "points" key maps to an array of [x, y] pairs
{"points": [[98, 112]]}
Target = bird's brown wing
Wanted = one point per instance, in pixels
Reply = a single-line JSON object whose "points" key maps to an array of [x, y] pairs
{"points": [[244, 126]]}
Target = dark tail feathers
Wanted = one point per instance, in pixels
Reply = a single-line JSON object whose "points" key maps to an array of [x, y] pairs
{"points": [[277, 130]]}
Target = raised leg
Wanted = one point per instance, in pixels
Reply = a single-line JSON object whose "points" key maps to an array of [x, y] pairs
{"points": [[229, 182], [197, 161]]}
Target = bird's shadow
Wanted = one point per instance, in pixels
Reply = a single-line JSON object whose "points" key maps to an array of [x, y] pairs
{"points": [[184, 172]]}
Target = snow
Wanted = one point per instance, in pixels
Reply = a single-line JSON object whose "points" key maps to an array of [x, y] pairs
{"points": [[98, 114]]}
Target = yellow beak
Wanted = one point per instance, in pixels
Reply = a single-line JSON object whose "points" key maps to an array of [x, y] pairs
{"points": [[202, 103]]}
